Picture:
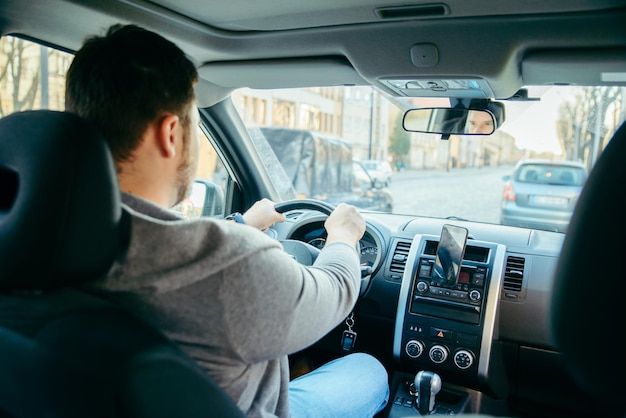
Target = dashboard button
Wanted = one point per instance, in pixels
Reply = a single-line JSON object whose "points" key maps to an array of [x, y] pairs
{"points": [[442, 334], [416, 328], [424, 270]]}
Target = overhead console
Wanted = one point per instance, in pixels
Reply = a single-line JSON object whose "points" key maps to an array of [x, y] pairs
{"points": [[447, 312]]}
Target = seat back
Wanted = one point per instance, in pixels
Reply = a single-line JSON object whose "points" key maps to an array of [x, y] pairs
{"points": [[60, 211], [588, 308], [64, 352]]}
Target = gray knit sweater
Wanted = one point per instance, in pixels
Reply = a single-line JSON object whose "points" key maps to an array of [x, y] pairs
{"points": [[231, 297]]}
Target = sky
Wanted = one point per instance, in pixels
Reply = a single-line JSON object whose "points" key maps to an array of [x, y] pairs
{"points": [[533, 123]]}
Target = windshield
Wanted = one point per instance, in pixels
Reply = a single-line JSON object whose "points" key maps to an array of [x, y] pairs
{"points": [[317, 132], [347, 144]]}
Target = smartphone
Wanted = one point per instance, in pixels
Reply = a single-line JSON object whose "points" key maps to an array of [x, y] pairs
{"points": [[450, 252]]}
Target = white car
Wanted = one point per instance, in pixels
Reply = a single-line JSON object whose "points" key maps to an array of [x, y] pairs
{"points": [[379, 170]]}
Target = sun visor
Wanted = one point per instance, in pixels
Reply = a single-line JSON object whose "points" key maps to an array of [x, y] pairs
{"points": [[282, 73], [576, 67]]}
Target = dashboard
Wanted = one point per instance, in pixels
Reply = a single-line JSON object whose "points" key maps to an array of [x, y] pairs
{"points": [[529, 261], [493, 342]]}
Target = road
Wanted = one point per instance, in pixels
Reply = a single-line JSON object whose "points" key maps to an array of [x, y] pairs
{"points": [[470, 193]]}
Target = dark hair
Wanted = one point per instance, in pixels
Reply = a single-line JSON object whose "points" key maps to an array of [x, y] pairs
{"points": [[124, 80]]}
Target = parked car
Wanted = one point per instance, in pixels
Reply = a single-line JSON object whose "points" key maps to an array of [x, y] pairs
{"points": [[542, 194], [368, 193], [379, 170], [522, 329], [322, 167]]}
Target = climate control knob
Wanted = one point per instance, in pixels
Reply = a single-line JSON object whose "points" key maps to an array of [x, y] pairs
{"points": [[463, 359], [414, 348], [438, 353]]}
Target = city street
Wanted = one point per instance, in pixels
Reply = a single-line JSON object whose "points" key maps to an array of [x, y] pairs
{"points": [[477, 193]]}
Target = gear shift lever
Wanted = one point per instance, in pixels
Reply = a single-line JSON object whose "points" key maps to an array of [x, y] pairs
{"points": [[427, 384]]}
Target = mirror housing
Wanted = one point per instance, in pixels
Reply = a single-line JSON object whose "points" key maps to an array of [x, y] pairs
{"points": [[205, 199]]}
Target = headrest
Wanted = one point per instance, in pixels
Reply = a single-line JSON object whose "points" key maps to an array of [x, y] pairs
{"points": [[588, 307], [60, 205]]}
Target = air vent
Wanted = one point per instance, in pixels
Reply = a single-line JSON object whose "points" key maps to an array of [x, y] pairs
{"points": [[400, 255], [513, 274]]}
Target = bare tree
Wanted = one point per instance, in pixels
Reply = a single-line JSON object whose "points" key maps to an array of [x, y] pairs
{"points": [[20, 74], [583, 128]]}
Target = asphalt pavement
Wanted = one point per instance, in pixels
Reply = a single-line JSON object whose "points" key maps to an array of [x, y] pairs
{"points": [[468, 193]]}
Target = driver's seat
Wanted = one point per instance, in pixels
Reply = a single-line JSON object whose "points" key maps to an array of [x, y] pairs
{"points": [[588, 308], [63, 352]]}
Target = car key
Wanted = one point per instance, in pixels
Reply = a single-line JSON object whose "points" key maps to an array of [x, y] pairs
{"points": [[347, 340], [349, 337]]}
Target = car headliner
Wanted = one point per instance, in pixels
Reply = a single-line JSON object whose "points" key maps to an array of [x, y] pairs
{"points": [[291, 43]]}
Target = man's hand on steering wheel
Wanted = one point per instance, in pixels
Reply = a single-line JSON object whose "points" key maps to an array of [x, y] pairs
{"points": [[345, 224], [263, 215]]}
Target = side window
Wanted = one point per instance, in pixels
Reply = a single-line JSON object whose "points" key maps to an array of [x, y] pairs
{"points": [[32, 76]]}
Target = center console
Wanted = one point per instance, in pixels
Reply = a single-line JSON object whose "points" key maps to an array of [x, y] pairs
{"points": [[447, 313]]}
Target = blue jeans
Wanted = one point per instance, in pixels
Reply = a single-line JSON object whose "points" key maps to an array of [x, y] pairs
{"points": [[353, 386]]}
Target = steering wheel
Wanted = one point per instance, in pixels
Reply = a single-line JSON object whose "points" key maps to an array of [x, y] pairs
{"points": [[303, 252], [319, 205]]}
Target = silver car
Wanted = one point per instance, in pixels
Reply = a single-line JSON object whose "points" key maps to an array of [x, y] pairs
{"points": [[542, 194], [379, 170]]}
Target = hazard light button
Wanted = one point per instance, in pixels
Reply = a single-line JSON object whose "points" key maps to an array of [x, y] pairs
{"points": [[442, 334]]}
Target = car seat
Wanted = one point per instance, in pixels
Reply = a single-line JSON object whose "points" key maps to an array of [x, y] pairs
{"points": [[587, 307], [64, 352]]}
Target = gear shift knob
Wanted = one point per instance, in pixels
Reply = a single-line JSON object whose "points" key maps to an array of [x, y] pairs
{"points": [[427, 384]]}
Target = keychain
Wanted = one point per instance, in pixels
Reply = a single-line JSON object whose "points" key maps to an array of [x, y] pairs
{"points": [[349, 337]]}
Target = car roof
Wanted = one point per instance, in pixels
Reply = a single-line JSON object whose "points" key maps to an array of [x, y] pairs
{"points": [[298, 43], [538, 161]]}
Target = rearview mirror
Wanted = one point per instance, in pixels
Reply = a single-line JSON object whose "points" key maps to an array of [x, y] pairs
{"points": [[480, 117]]}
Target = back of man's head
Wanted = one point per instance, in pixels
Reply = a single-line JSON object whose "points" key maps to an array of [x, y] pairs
{"points": [[124, 80]]}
